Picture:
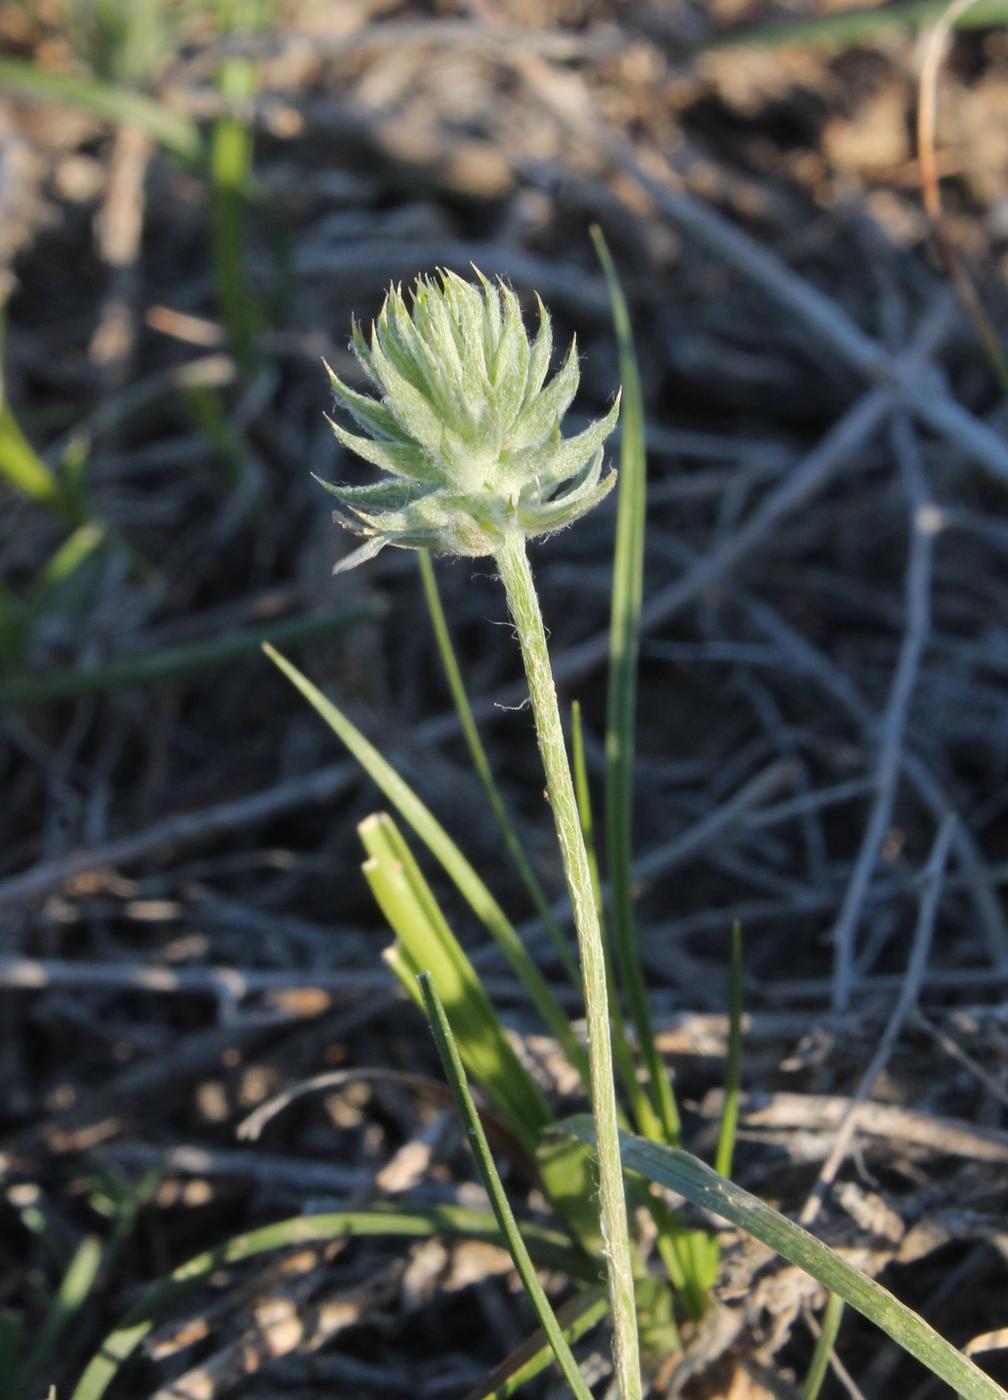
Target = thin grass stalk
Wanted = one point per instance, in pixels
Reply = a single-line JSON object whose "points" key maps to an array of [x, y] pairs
{"points": [[523, 602], [578, 1316], [456, 1076], [828, 1329], [733, 1065], [624, 646]]}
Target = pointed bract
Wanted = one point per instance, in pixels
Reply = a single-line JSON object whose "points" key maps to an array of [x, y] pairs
{"points": [[466, 424]]}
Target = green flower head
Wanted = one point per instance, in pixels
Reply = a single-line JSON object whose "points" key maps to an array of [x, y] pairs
{"points": [[465, 425]]}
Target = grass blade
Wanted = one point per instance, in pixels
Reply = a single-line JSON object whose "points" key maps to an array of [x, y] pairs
{"points": [[549, 1249], [455, 865], [828, 1329], [624, 645], [859, 25], [455, 1074], [112, 102], [577, 1317], [231, 148], [733, 1066], [192, 658], [72, 1295], [675, 1245], [24, 470], [481, 764], [678, 1171]]}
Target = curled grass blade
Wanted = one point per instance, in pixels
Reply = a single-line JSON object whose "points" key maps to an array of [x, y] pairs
{"points": [[624, 646], [455, 865], [455, 1073], [481, 764], [678, 1171], [549, 1249]]}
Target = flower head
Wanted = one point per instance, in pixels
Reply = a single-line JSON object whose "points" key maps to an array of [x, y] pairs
{"points": [[465, 425]]}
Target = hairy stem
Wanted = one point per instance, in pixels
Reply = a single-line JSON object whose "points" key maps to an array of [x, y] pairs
{"points": [[516, 575]]}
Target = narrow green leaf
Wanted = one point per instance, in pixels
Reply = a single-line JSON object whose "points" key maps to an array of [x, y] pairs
{"points": [[678, 1171], [71, 1296], [624, 646], [112, 102], [12, 1339], [673, 1242], [828, 1329], [733, 1066], [549, 1249], [22, 468], [453, 862], [455, 1074], [733, 1075], [859, 24], [231, 150], [174, 662], [481, 764], [577, 1317]]}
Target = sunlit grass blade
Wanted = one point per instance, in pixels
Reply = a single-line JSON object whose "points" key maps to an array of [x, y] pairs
{"points": [[113, 102], [481, 764], [455, 865], [686, 1175], [549, 1250], [576, 1317], [191, 659], [624, 646], [426, 943], [828, 1328], [71, 1297], [456, 1076], [23, 469]]}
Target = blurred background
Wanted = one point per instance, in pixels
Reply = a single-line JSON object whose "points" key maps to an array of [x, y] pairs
{"points": [[808, 206]]}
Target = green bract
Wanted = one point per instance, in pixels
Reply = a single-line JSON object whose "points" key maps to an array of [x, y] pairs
{"points": [[465, 425]]}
